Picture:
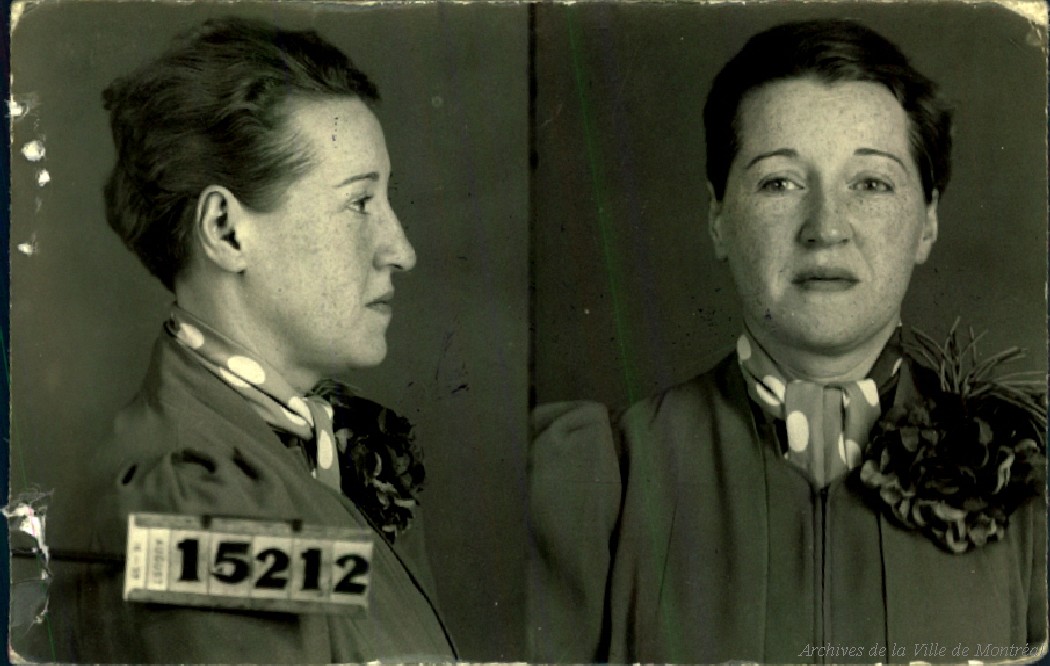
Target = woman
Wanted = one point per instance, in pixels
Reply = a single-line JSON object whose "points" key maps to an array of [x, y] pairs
{"points": [[251, 179], [822, 494]]}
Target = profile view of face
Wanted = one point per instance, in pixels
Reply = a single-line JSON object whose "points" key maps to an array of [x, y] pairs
{"points": [[320, 263], [823, 217]]}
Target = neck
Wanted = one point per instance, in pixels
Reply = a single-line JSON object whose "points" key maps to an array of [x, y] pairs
{"points": [[225, 312], [824, 366]]}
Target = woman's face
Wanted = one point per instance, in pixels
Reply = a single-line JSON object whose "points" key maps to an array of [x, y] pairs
{"points": [[823, 217], [320, 264]]}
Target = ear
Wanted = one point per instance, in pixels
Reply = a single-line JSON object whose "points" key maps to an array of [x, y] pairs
{"points": [[714, 224], [219, 217], [929, 230]]}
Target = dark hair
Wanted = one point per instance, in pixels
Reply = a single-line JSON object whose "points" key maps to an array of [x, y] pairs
{"points": [[831, 51], [212, 110]]}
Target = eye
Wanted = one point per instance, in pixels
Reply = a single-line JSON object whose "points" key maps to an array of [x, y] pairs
{"points": [[360, 204], [872, 185], [778, 184]]}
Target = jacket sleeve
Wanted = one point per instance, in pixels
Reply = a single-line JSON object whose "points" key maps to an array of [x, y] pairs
{"points": [[574, 505], [101, 627]]}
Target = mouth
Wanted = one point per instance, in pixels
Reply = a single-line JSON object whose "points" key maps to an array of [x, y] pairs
{"points": [[825, 279], [382, 304]]}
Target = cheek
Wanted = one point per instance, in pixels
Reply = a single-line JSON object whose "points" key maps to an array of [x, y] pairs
{"points": [[890, 234], [344, 268], [761, 248]]}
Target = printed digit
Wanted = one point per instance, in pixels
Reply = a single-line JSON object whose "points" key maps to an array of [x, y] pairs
{"points": [[190, 551], [272, 578], [311, 568], [347, 584], [235, 554]]}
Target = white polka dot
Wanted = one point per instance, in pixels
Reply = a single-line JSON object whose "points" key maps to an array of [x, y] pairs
{"points": [[849, 452], [845, 399], [775, 385], [247, 369], [870, 391], [325, 450], [743, 348], [232, 379], [294, 418], [299, 406], [190, 335], [798, 431], [897, 366], [766, 395]]}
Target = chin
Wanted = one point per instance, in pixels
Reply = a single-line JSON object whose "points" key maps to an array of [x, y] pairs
{"points": [[836, 340], [819, 334], [368, 357]]}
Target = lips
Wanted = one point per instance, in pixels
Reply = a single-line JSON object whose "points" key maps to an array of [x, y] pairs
{"points": [[825, 279], [382, 303]]}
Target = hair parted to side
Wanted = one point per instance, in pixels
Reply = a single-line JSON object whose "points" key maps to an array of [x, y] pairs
{"points": [[831, 51], [212, 110]]}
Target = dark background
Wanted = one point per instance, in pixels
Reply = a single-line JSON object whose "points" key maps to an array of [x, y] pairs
{"points": [[84, 313], [628, 297]]}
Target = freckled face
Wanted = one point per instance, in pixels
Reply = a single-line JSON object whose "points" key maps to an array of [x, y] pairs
{"points": [[823, 217], [320, 264]]}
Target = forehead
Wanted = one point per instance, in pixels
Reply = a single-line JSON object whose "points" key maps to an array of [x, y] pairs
{"points": [[806, 113], [338, 133]]}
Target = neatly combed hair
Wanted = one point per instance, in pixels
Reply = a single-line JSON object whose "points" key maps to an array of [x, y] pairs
{"points": [[830, 51], [213, 110]]}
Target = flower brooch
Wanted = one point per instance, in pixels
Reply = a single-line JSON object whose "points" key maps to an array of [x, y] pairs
{"points": [[957, 459]]}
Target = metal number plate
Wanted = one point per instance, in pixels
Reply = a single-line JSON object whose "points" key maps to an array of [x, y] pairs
{"points": [[247, 564]]}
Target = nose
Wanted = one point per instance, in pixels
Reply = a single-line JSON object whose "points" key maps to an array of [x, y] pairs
{"points": [[825, 222], [395, 251]]}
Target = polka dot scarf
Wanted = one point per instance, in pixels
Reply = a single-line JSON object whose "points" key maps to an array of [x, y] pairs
{"points": [[827, 425], [308, 417]]}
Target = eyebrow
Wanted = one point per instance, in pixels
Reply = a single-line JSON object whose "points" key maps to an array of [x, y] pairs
{"points": [[779, 152], [883, 153], [791, 152], [371, 175]]}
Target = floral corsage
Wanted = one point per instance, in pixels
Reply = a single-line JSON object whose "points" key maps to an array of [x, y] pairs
{"points": [[381, 466], [955, 461]]}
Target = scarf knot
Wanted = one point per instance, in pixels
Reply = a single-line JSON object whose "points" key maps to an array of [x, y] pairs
{"points": [[827, 425]]}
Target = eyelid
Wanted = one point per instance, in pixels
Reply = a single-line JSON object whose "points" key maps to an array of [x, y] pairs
{"points": [[353, 202], [793, 184], [886, 185]]}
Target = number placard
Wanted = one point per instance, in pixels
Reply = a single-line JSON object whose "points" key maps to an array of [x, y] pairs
{"points": [[249, 564]]}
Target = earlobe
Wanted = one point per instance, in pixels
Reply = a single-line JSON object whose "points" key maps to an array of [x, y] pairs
{"points": [[217, 224], [929, 230], [714, 224]]}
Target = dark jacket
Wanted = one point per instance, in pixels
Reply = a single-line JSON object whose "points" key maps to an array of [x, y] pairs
{"points": [[681, 534], [190, 444]]}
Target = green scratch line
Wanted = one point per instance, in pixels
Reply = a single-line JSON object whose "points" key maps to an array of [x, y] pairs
{"points": [[643, 461], [597, 183]]}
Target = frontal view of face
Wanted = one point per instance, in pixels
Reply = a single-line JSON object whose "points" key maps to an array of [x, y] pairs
{"points": [[320, 263], [824, 216]]}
